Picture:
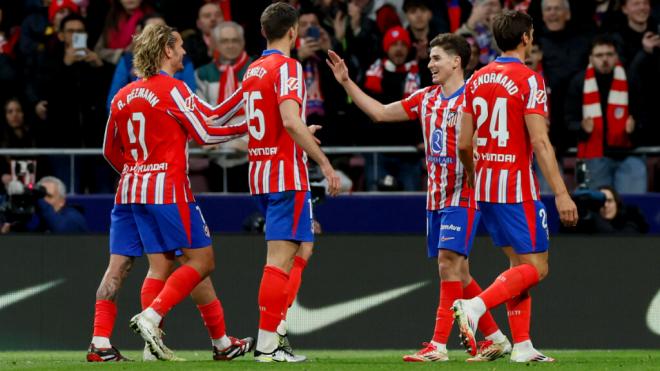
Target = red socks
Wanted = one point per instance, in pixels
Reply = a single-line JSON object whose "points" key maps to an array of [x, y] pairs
{"points": [[487, 325], [295, 279], [151, 287], [510, 284], [272, 298], [519, 311], [449, 292], [214, 318], [177, 287], [105, 313]]}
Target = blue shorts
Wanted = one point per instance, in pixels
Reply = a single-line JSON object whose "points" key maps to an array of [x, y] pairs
{"points": [[288, 216], [137, 229], [452, 228], [523, 226]]}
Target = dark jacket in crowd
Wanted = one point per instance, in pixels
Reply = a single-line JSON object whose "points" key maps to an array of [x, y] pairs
{"points": [[643, 80], [66, 221], [630, 41], [565, 53], [629, 220], [196, 49], [76, 96]]}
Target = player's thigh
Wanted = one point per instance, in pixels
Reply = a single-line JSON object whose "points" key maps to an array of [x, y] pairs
{"points": [[458, 226], [119, 266], [491, 220], [524, 226], [288, 216], [177, 226], [124, 235]]}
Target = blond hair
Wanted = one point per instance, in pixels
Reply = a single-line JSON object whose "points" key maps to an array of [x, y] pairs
{"points": [[149, 49]]}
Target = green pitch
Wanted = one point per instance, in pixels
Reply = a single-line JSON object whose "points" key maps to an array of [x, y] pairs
{"points": [[336, 360]]}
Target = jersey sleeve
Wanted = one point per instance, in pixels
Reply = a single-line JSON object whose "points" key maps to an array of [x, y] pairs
{"points": [[290, 82], [467, 98], [412, 104], [535, 98], [186, 108], [113, 150], [226, 110]]}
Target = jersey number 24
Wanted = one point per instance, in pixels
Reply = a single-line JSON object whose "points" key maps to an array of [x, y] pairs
{"points": [[498, 124]]}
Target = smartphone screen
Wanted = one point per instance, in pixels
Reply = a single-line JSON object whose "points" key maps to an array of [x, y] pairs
{"points": [[79, 40], [313, 32]]}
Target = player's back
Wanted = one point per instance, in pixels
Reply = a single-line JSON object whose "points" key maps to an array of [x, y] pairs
{"points": [[277, 163], [499, 96], [154, 143]]}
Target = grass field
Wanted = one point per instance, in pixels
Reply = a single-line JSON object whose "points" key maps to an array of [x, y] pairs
{"points": [[336, 360]]}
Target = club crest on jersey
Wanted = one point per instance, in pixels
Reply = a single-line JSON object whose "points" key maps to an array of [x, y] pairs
{"points": [[189, 103], [452, 118], [540, 96], [292, 83], [436, 141]]}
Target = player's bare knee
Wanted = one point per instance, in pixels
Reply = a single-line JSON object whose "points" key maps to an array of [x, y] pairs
{"points": [[449, 265]]}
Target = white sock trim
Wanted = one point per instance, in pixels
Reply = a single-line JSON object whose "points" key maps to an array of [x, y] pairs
{"points": [[281, 328], [101, 342], [152, 316], [496, 337], [439, 346], [221, 343], [267, 341]]}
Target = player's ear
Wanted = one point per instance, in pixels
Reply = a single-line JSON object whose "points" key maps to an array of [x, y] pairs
{"points": [[263, 33]]}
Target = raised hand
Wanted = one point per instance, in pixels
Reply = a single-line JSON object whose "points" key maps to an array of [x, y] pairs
{"points": [[338, 67]]}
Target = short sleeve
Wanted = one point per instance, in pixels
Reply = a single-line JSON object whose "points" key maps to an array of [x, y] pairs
{"points": [[535, 98], [290, 82], [413, 103], [467, 98]]}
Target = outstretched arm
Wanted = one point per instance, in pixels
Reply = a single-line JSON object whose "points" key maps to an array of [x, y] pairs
{"points": [[189, 113], [376, 111]]}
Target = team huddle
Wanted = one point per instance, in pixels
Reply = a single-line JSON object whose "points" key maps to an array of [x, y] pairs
{"points": [[479, 139]]}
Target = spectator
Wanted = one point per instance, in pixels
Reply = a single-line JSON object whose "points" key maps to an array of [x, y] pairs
{"points": [[358, 36], [10, 78], [565, 53], [420, 30], [15, 132], [644, 81], [120, 27], [391, 79], [125, 74], [637, 23], [199, 44], [53, 214], [327, 103], [75, 91], [597, 109], [613, 217], [473, 64], [216, 82], [479, 26]]}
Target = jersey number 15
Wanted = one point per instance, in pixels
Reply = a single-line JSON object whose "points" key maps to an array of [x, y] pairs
{"points": [[257, 129]]}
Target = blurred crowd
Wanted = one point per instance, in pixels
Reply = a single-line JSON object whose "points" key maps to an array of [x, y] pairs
{"points": [[62, 61]]}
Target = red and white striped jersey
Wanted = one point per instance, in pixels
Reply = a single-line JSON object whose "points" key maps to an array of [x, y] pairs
{"points": [[440, 118], [146, 138], [498, 97], [277, 163]]}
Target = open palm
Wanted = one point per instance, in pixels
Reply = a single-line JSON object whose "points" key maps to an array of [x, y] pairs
{"points": [[337, 66]]}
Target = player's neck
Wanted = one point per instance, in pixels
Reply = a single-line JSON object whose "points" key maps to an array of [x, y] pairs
{"points": [[517, 53], [453, 83], [168, 69], [283, 45]]}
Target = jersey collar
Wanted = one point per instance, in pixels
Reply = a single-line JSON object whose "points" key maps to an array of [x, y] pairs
{"points": [[507, 60], [163, 73], [456, 93], [268, 52]]}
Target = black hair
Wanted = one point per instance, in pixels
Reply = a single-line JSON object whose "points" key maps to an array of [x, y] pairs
{"points": [[277, 19]]}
